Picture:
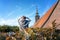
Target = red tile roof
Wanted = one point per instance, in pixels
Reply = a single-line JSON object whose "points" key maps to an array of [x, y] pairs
{"points": [[42, 20]]}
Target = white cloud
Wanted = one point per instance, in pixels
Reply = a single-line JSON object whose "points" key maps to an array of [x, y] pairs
{"points": [[12, 12], [33, 5], [8, 21], [12, 22], [30, 14], [19, 9]]}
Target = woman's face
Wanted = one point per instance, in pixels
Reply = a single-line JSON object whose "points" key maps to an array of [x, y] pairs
{"points": [[23, 18]]}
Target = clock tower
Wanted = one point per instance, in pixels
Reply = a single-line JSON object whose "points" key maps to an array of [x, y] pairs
{"points": [[37, 15]]}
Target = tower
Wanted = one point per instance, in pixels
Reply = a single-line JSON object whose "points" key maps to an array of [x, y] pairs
{"points": [[37, 15]]}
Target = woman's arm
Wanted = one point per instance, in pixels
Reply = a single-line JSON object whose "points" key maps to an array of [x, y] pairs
{"points": [[28, 19], [19, 21]]}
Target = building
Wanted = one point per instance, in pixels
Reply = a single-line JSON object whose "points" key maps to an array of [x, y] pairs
{"points": [[52, 14]]}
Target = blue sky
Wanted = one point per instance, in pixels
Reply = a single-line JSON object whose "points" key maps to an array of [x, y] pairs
{"points": [[11, 10]]}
